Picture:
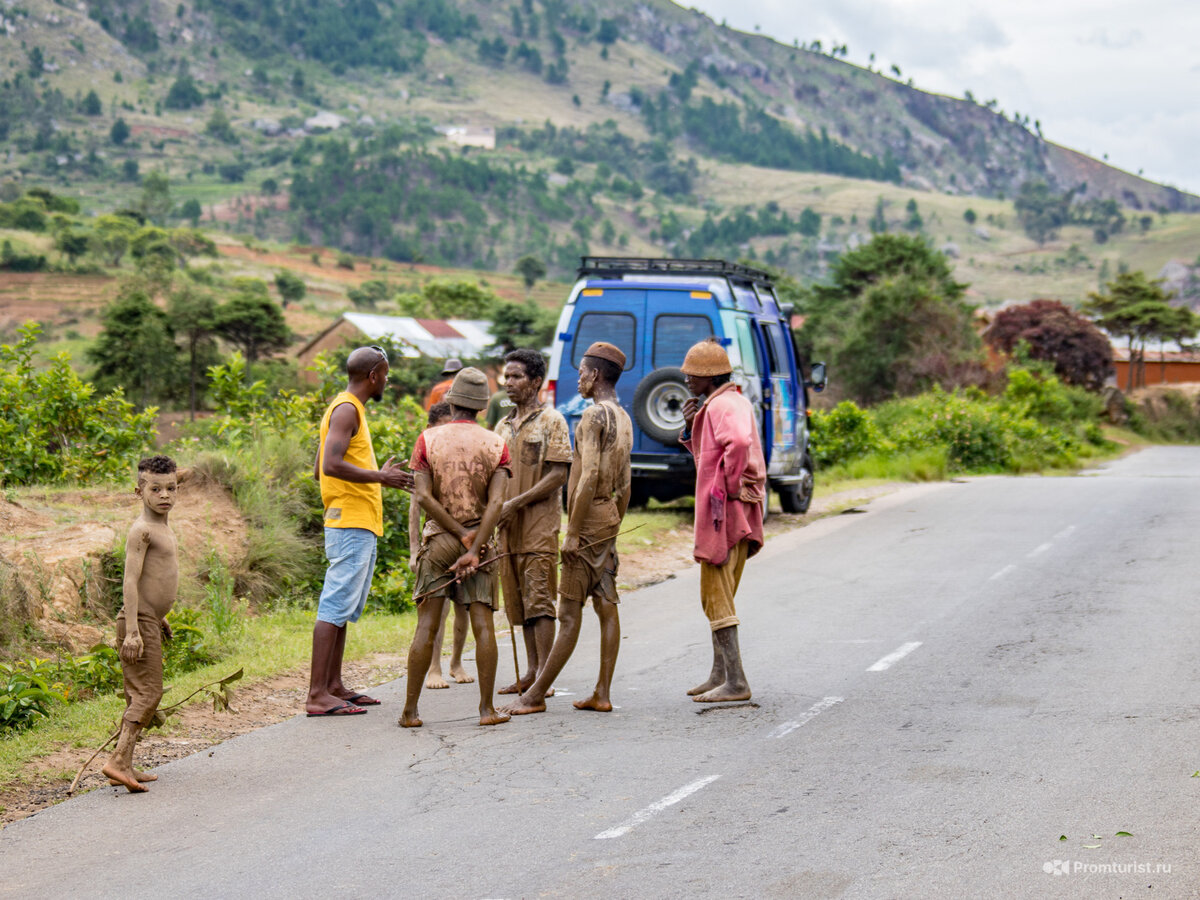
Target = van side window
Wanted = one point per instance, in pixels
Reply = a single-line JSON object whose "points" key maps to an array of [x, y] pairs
{"points": [[674, 336], [751, 358], [778, 349], [616, 328]]}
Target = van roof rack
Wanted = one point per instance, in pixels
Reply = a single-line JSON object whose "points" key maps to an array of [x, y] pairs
{"points": [[621, 265]]}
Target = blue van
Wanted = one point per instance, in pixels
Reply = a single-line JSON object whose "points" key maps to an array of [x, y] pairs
{"points": [[654, 310]]}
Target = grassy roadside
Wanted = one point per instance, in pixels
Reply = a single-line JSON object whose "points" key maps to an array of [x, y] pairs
{"points": [[270, 645]]}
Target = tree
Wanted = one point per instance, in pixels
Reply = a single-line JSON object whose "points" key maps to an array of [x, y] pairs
{"points": [[135, 350], [459, 300], [914, 222], [71, 243], [119, 133], [92, 105], [969, 216], [155, 202], [904, 338], [522, 325], [1053, 332], [192, 313], [191, 211], [220, 127], [183, 93], [809, 223], [1040, 211], [609, 32], [845, 312], [878, 223], [291, 287], [1139, 310], [252, 321], [531, 269], [112, 235], [369, 294]]}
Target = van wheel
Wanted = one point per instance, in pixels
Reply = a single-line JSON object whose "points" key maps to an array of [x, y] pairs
{"points": [[796, 498], [658, 404]]}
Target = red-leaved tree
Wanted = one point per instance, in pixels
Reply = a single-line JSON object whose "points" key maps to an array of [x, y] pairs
{"points": [[1078, 350]]}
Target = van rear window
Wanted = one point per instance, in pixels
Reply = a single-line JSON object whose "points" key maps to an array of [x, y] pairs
{"points": [[616, 328], [674, 336]]}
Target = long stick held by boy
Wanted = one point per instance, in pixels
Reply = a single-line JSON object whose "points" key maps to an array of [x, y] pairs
{"points": [[151, 580]]}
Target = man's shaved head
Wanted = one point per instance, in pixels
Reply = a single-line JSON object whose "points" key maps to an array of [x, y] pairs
{"points": [[362, 362]]}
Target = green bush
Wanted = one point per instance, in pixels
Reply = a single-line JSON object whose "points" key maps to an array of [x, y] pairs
{"points": [[843, 433], [25, 696], [189, 647], [53, 426]]}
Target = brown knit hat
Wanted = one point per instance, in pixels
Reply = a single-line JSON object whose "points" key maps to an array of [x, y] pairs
{"points": [[706, 359], [605, 350], [469, 390]]}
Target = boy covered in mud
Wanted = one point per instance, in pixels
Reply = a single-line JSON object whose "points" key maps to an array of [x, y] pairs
{"points": [[151, 579]]}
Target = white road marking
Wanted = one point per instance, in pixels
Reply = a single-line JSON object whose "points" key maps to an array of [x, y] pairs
{"points": [[811, 713], [1003, 572], [654, 808], [1038, 550], [895, 656], [857, 641], [1065, 533]]}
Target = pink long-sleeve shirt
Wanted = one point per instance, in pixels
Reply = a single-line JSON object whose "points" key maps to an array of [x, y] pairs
{"points": [[731, 476]]}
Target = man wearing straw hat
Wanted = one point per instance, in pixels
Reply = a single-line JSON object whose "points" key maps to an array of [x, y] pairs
{"points": [[720, 433], [461, 471]]}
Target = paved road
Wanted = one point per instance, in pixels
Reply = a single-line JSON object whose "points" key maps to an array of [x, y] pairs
{"points": [[944, 685]]}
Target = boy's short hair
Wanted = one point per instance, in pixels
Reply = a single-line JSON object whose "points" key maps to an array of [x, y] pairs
{"points": [[155, 465], [608, 370], [532, 361], [438, 413]]}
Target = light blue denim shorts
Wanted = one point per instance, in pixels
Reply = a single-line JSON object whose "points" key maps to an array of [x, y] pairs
{"points": [[351, 554]]}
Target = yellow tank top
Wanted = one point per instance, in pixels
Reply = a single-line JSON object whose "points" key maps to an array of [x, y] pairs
{"points": [[348, 504]]}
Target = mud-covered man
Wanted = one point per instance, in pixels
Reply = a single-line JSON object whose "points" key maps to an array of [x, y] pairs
{"points": [[597, 497], [540, 446], [461, 472]]}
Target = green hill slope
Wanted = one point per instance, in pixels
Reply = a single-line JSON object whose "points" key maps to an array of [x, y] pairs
{"points": [[619, 128]]}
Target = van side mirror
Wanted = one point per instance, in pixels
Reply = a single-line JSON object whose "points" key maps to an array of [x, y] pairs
{"points": [[816, 377]]}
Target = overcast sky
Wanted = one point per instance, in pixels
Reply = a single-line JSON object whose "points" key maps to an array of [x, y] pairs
{"points": [[1103, 76]]}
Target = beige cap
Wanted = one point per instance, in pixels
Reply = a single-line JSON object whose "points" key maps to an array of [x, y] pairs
{"points": [[706, 359], [469, 390], [605, 350]]}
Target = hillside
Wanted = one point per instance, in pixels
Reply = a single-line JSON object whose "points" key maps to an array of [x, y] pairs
{"points": [[621, 127]]}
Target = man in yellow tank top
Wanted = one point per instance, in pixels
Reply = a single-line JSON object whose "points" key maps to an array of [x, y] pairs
{"points": [[352, 494]]}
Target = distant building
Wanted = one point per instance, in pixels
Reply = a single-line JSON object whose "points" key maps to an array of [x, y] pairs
{"points": [[1162, 366], [467, 136], [433, 338]]}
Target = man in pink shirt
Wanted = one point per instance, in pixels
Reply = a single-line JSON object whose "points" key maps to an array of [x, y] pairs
{"points": [[721, 434]]}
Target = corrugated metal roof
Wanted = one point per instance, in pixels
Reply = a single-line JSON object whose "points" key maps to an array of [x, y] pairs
{"points": [[465, 338]]}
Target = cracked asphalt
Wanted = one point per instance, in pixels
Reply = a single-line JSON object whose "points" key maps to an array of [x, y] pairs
{"points": [[969, 690]]}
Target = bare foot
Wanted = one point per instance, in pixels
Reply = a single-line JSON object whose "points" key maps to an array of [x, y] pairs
{"points": [[517, 687], [492, 717], [724, 693], [434, 681], [593, 703], [460, 676], [126, 777], [713, 682], [409, 720], [139, 775], [523, 708]]}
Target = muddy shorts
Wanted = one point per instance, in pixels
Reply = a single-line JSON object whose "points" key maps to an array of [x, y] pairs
{"points": [[143, 680], [719, 584], [438, 553], [530, 582], [591, 573]]}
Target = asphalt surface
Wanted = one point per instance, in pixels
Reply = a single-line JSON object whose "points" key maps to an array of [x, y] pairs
{"points": [[944, 685]]}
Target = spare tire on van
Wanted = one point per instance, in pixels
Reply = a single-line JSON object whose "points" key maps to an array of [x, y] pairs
{"points": [[658, 404]]}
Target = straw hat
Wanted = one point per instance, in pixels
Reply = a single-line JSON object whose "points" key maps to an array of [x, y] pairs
{"points": [[706, 359]]}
